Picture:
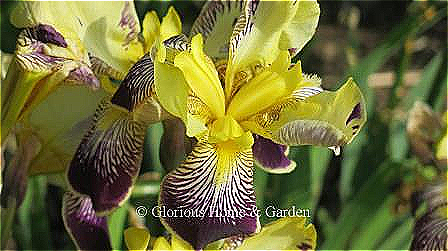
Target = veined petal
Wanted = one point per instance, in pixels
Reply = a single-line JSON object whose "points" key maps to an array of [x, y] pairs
{"points": [[44, 59], [312, 117], [215, 23], [201, 76], [87, 230], [172, 47], [289, 233], [108, 158], [136, 238], [171, 24], [108, 76], [137, 86], [215, 186], [272, 157], [108, 30]]}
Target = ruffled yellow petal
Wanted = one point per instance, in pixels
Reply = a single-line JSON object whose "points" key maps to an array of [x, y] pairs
{"points": [[136, 238], [31, 13], [201, 76], [109, 31], [260, 42], [312, 116], [302, 26]]}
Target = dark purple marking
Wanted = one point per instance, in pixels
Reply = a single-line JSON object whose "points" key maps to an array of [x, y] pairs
{"points": [[269, 154], [355, 114], [47, 34]]}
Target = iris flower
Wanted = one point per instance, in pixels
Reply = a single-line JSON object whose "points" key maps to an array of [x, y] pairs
{"points": [[239, 95], [290, 233], [62, 68], [107, 161], [234, 87]]}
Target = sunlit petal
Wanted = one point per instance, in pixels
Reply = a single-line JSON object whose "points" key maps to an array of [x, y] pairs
{"points": [[151, 29], [270, 26], [111, 31], [171, 25], [201, 76]]}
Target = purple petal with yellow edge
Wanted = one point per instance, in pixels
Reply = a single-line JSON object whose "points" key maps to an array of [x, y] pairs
{"points": [[88, 231], [108, 158], [210, 196], [270, 156]]}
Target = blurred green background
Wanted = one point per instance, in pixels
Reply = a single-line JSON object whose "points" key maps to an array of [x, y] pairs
{"points": [[397, 53]]}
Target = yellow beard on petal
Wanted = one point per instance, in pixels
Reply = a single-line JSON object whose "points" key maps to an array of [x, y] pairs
{"points": [[227, 152]]}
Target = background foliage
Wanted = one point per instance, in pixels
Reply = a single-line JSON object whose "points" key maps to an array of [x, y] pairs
{"points": [[397, 53]]}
